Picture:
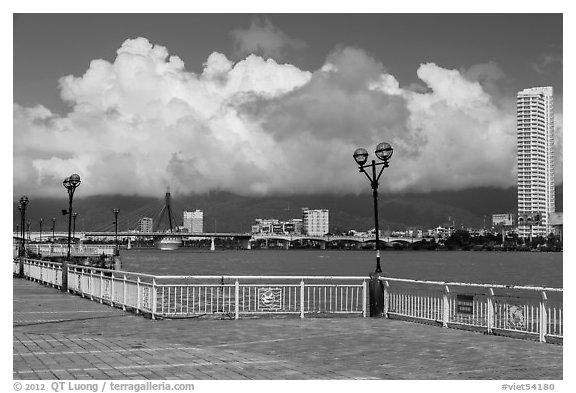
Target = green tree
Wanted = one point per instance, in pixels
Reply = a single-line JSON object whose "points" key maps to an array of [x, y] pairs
{"points": [[460, 240]]}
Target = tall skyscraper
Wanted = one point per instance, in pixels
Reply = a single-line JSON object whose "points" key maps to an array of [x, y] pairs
{"points": [[535, 126], [194, 221]]}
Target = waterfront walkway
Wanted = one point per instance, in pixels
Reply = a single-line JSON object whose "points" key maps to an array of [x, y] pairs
{"points": [[62, 336]]}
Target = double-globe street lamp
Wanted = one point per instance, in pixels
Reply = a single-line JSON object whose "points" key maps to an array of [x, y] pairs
{"points": [[384, 152], [22, 207], [70, 183]]}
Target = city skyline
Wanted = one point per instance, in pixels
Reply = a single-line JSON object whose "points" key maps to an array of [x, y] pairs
{"points": [[275, 104]]}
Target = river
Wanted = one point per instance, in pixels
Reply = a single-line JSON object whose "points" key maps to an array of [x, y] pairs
{"points": [[507, 268]]}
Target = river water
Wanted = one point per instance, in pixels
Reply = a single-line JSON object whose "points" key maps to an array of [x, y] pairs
{"points": [[507, 268]]}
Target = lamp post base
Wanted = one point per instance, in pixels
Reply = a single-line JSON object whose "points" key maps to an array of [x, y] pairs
{"points": [[376, 295], [117, 263], [64, 287], [21, 267]]}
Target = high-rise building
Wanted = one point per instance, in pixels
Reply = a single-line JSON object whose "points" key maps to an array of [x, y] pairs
{"points": [[145, 224], [535, 127], [194, 221], [315, 222]]}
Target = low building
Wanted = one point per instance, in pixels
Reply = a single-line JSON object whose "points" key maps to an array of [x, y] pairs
{"points": [[503, 219], [556, 221], [273, 225], [444, 231]]}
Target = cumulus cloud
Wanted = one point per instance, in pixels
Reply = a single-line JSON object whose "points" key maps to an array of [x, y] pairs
{"points": [[264, 39], [548, 63], [257, 127]]}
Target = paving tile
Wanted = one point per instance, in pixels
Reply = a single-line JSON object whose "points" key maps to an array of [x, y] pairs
{"points": [[63, 336]]}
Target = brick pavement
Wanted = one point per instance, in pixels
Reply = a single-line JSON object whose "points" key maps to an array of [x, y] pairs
{"points": [[62, 336]]}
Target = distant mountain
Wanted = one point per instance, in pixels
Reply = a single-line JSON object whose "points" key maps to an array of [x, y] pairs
{"points": [[225, 212]]}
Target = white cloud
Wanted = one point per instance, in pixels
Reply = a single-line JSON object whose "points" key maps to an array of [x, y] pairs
{"points": [[264, 39], [257, 127]]}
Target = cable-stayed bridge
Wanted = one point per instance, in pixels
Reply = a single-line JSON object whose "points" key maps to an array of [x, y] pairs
{"points": [[100, 234]]}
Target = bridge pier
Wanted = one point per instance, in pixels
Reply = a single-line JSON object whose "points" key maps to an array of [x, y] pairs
{"points": [[287, 244], [212, 247], [322, 245]]}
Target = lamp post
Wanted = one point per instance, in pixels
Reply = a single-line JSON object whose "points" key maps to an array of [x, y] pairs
{"points": [[116, 249], [384, 153], [70, 183], [74, 215], [53, 226], [40, 230], [19, 229], [22, 207]]}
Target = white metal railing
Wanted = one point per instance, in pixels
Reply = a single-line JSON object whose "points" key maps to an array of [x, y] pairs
{"points": [[235, 295], [535, 311], [41, 271], [188, 296], [499, 309], [56, 249]]}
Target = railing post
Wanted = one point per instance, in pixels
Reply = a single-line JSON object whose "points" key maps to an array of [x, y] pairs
{"points": [[124, 293], [54, 273], [154, 300], [543, 316], [138, 305], [82, 274], [112, 290], [364, 295], [101, 287], [91, 284], [386, 298], [445, 306], [236, 299], [490, 317], [301, 298]]}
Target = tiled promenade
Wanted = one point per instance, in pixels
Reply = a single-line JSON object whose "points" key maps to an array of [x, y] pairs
{"points": [[61, 336]]}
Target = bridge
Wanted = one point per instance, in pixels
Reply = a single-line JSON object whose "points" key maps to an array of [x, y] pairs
{"points": [[36, 236], [245, 238], [236, 235], [287, 239], [333, 238]]}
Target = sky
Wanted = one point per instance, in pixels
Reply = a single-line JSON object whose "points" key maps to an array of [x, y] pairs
{"points": [[274, 104]]}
